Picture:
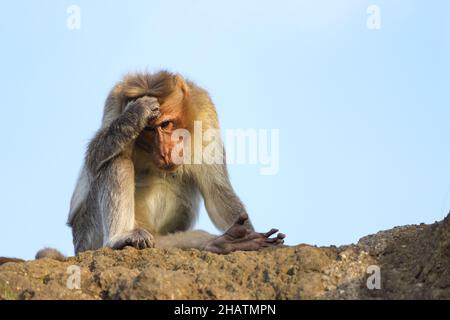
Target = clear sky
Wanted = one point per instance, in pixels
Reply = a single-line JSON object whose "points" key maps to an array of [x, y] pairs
{"points": [[363, 113]]}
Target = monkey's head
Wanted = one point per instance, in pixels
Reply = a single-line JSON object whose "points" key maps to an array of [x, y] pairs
{"points": [[156, 139]]}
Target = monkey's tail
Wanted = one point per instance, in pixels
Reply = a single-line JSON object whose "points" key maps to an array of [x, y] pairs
{"points": [[4, 260], [51, 254], [44, 253]]}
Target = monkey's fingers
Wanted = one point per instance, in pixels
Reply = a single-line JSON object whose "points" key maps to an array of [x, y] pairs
{"points": [[273, 242], [269, 233], [255, 235], [266, 235], [148, 243], [279, 239], [140, 244]]}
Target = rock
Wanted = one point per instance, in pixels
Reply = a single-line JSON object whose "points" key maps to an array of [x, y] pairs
{"points": [[414, 263]]}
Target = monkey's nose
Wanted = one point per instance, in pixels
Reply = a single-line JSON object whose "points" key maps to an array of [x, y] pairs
{"points": [[165, 155], [163, 152], [166, 160]]}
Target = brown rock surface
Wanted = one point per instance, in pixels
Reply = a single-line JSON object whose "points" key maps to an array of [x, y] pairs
{"points": [[414, 263]]}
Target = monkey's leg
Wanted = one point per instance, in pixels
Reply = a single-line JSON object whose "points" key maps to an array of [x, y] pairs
{"points": [[194, 239], [239, 237]]}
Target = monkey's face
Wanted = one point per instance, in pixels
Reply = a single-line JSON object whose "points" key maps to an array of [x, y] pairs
{"points": [[156, 138]]}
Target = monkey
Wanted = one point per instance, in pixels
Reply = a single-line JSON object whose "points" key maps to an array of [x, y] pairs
{"points": [[131, 192]]}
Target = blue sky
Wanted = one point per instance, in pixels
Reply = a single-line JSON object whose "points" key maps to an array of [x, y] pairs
{"points": [[363, 114]]}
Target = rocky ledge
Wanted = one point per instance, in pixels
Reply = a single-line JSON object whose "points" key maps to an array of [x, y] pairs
{"points": [[408, 262]]}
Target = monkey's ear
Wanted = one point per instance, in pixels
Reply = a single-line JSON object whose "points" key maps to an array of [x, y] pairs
{"points": [[181, 83]]}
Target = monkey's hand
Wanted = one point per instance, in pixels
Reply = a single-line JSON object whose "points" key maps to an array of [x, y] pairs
{"points": [[138, 238], [239, 237], [146, 106]]}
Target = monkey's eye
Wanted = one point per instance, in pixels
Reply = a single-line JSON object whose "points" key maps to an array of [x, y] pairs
{"points": [[166, 125]]}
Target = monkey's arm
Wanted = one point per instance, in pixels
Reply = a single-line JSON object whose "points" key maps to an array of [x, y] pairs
{"points": [[223, 205], [228, 213], [102, 210], [112, 140]]}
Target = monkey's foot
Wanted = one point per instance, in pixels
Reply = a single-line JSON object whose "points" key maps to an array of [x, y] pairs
{"points": [[138, 238], [239, 237]]}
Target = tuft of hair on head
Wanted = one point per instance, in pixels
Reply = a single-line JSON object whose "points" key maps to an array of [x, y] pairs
{"points": [[50, 254], [159, 85]]}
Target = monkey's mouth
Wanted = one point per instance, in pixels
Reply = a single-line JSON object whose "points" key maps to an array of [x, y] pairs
{"points": [[170, 167]]}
